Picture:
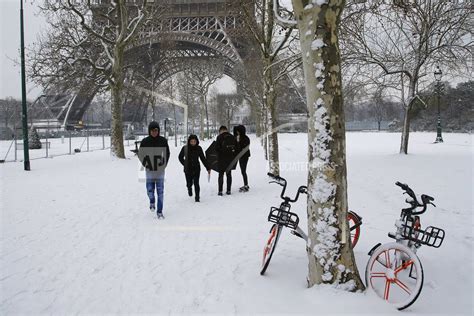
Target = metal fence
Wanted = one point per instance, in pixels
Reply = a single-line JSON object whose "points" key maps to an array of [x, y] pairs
{"points": [[64, 143]]}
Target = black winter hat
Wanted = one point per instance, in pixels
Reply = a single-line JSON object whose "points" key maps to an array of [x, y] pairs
{"points": [[153, 125], [192, 136], [242, 129]]}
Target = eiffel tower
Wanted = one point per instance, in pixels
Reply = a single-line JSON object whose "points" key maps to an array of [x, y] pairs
{"points": [[188, 30]]}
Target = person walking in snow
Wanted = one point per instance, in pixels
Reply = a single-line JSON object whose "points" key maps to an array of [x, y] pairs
{"points": [[189, 157], [154, 154], [226, 147], [243, 147]]}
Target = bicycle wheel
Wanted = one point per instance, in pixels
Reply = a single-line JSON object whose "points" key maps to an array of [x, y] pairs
{"points": [[270, 246], [354, 227], [395, 274]]}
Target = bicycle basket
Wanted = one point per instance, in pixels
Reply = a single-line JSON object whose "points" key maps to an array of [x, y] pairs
{"points": [[284, 218], [431, 236]]}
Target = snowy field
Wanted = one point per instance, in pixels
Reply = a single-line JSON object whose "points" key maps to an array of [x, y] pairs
{"points": [[77, 236]]}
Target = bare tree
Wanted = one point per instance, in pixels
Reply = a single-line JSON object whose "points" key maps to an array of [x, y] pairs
{"points": [[227, 104], [406, 39], [331, 259], [188, 96], [92, 40], [10, 112], [271, 41], [199, 76]]}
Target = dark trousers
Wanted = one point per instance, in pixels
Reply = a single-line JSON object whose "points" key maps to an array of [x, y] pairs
{"points": [[193, 179], [243, 168], [221, 180]]}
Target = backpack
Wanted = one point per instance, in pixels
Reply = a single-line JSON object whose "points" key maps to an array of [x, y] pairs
{"points": [[229, 145]]}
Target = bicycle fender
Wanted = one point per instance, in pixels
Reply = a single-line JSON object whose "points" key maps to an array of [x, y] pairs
{"points": [[373, 248]]}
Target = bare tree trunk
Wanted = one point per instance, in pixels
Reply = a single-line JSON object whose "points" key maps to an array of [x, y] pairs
{"points": [[116, 128], [257, 120], [406, 119], [202, 111], [207, 118], [272, 145], [265, 133], [331, 259], [269, 101]]}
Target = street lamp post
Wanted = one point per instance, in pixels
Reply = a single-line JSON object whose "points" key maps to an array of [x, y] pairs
{"points": [[26, 154], [438, 74]]}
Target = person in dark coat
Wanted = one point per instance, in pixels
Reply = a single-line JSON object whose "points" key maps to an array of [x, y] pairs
{"points": [[154, 154], [243, 147], [226, 147], [189, 157]]}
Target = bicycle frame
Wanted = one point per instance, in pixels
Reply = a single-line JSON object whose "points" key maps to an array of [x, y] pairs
{"points": [[283, 217]]}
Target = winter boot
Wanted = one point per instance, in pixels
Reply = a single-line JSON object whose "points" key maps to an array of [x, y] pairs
{"points": [[160, 215], [190, 191], [245, 188], [152, 207]]}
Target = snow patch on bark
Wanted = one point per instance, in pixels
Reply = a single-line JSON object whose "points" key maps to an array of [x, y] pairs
{"points": [[321, 152], [320, 2], [326, 248], [317, 44]]}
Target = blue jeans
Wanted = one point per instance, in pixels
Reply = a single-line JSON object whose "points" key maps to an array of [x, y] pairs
{"points": [[157, 183]]}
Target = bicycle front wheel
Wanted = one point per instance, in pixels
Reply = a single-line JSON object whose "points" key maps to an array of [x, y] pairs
{"points": [[354, 227], [270, 246], [395, 274]]}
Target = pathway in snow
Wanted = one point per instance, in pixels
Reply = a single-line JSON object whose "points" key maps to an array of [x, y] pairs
{"points": [[77, 237]]}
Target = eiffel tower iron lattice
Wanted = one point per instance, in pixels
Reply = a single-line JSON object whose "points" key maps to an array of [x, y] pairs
{"points": [[187, 31]]}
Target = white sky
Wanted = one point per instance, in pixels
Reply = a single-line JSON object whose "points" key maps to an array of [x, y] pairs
{"points": [[10, 80]]}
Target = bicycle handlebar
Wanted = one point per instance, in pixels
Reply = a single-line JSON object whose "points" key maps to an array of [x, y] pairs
{"points": [[426, 199], [302, 189]]}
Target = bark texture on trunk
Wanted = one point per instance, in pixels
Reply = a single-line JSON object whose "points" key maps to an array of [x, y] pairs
{"points": [[116, 128], [202, 113], [207, 119], [406, 120], [271, 126], [331, 259]]}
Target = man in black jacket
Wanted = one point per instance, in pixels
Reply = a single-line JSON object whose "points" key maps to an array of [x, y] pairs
{"points": [[243, 146], [226, 147], [154, 154], [189, 157]]}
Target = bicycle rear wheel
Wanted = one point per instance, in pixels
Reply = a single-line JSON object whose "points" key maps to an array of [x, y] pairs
{"points": [[270, 246], [354, 227], [395, 274]]}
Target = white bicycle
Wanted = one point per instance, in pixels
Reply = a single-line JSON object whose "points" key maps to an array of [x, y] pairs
{"points": [[394, 271]]}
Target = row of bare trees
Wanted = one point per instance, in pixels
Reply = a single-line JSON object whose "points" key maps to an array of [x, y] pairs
{"points": [[395, 46]]}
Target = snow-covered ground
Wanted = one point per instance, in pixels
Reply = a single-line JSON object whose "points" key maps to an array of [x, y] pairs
{"points": [[77, 237]]}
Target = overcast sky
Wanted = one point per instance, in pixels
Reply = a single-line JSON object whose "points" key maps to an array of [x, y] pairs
{"points": [[10, 80]]}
